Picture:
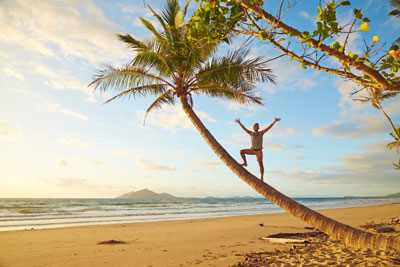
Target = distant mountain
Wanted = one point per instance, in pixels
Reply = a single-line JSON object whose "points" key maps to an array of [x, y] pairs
{"points": [[393, 195], [147, 194], [387, 196]]}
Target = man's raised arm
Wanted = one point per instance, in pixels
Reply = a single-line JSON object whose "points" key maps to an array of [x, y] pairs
{"points": [[241, 125], [270, 126]]}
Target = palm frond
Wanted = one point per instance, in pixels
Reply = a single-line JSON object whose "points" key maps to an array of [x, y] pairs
{"points": [[386, 96], [126, 77], [166, 98], [131, 42], [153, 89], [233, 67], [186, 8], [155, 61], [395, 12], [170, 12], [397, 166], [217, 91], [152, 29]]}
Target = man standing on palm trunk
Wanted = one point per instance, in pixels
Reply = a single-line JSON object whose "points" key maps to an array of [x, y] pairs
{"points": [[256, 144]]}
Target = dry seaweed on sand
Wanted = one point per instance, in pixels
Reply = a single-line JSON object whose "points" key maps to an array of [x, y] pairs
{"points": [[111, 242], [324, 251]]}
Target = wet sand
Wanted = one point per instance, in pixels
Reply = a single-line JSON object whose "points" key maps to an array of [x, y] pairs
{"points": [[202, 242]]}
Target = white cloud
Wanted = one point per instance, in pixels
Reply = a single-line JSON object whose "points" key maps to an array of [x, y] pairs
{"points": [[305, 15], [370, 167], [149, 164], [347, 103], [132, 9], [13, 73], [354, 127], [292, 78], [280, 131], [294, 157], [73, 141], [209, 165], [79, 161], [237, 106], [172, 118], [79, 187], [59, 28], [57, 108], [273, 146], [90, 161], [392, 106], [61, 80], [66, 182]]}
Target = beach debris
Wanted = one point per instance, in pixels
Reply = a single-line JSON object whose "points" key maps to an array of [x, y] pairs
{"points": [[310, 228], [290, 238], [111, 242], [322, 251], [261, 224], [395, 221], [386, 230], [284, 240], [379, 227]]}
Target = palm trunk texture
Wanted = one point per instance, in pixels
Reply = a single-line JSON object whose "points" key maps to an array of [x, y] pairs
{"points": [[348, 235]]}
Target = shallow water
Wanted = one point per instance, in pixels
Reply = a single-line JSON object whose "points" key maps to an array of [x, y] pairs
{"points": [[18, 214]]}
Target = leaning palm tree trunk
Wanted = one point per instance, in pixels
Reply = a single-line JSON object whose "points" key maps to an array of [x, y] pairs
{"points": [[350, 236]]}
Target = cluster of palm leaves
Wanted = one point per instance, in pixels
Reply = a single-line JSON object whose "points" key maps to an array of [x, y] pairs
{"points": [[171, 65], [395, 12], [395, 145]]}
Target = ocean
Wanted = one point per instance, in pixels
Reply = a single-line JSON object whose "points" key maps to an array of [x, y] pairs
{"points": [[22, 214]]}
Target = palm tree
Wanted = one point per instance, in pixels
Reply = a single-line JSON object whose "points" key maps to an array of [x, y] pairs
{"points": [[170, 66], [396, 142], [395, 12]]}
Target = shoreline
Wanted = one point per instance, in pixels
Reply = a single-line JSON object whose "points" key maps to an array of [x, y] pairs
{"points": [[200, 242], [169, 217]]}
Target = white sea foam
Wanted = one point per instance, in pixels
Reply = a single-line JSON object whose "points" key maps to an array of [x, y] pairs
{"points": [[19, 214]]}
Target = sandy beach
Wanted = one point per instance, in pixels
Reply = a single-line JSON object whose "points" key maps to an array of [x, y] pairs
{"points": [[203, 242]]}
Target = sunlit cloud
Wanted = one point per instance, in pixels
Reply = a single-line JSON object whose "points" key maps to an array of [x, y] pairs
{"points": [[57, 108], [84, 187], [150, 164], [354, 127], [173, 118], [60, 29], [13, 73], [369, 167]]}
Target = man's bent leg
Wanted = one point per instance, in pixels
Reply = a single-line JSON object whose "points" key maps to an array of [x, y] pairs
{"points": [[243, 153]]}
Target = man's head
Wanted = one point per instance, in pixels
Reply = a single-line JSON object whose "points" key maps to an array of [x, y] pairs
{"points": [[256, 127]]}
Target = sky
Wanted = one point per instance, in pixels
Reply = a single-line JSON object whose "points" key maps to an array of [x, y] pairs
{"points": [[58, 140]]}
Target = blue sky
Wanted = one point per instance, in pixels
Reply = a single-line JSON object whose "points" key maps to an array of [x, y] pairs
{"points": [[58, 140]]}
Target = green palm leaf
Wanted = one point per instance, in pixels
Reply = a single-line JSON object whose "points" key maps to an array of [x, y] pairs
{"points": [[216, 91], [166, 98], [122, 78], [136, 45], [153, 89]]}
